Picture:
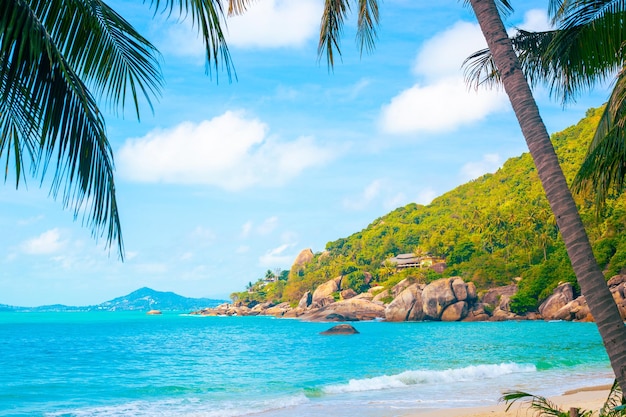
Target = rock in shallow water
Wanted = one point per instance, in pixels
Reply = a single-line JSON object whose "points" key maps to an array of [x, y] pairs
{"points": [[341, 329]]}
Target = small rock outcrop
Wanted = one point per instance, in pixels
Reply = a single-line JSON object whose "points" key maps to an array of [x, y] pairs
{"points": [[340, 329]]}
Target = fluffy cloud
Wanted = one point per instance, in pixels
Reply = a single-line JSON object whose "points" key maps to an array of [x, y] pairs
{"points": [[473, 170], [275, 23], [229, 151], [536, 20], [266, 24], [441, 101], [44, 244], [277, 256]]}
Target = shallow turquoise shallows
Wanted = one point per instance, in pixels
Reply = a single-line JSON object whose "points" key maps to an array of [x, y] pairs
{"points": [[176, 365]]}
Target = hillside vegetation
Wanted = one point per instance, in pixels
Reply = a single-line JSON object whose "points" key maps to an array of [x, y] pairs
{"points": [[495, 230]]}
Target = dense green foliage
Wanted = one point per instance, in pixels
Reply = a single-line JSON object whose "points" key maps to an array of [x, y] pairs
{"points": [[491, 231]]}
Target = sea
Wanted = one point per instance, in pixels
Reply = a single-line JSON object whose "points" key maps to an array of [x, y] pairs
{"points": [[118, 364]]}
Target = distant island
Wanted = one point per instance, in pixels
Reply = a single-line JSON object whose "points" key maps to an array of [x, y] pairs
{"points": [[144, 299]]}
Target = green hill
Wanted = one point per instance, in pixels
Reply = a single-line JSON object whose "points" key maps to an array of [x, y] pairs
{"points": [[494, 230]]}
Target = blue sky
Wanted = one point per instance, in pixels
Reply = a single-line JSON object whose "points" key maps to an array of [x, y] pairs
{"points": [[226, 180]]}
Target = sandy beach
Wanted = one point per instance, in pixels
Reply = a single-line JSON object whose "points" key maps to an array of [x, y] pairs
{"points": [[590, 398]]}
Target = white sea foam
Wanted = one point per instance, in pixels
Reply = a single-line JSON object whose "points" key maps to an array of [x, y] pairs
{"points": [[186, 408], [430, 377]]}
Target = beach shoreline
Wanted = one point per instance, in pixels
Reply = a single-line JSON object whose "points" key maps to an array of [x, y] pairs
{"points": [[586, 398]]}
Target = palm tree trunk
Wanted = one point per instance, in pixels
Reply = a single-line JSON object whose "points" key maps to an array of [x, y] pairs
{"points": [[590, 278]]}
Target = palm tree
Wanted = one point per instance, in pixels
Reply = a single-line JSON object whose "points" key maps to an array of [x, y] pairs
{"points": [[58, 59], [586, 48], [590, 278]]}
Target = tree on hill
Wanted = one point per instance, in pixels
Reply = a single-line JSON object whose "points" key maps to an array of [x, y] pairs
{"points": [[589, 275], [58, 59]]}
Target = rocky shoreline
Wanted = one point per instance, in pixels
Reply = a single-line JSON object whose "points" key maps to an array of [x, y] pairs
{"points": [[446, 299]]}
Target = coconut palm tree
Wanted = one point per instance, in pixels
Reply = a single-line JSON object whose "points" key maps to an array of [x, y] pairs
{"points": [[585, 48], [590, 278], [58, 60]]}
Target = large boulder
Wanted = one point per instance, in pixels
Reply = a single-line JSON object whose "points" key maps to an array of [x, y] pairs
{"points": [[562, 295], [400, 286], [617, 285], [407, 306], [323, 294], [436, 296], [455, 312], [459, 288], [378, 298], [354, 309], [477, 313], [304, 257], [499, 297], [575, 310]]}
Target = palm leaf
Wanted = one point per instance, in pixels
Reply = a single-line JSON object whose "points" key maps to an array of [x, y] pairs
{"points": [[55, 118], [604, 167], [540, 406], [614, 404], [207, 16]]}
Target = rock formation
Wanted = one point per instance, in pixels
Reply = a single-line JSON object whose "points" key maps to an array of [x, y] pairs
{"points": [[562, 295], [407, 306], [340, 329], [354, 309], [323, 295]]}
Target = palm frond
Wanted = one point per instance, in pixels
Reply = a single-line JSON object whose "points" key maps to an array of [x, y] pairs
{"points": [[367, 23], [331, 29], [504, 6], [614, 404], [604, 166], [479, 69], [208, 16], [104, 49], [541, 407], [62, 125], [237, 7]]}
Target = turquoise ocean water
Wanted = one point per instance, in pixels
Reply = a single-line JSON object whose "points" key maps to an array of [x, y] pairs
{"points": [[173, 365]]}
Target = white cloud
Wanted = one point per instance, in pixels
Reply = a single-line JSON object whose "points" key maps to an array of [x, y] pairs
{"points": [[441, 101], [181, 40], [275, 23], [229, 151], [277, 257], [536, 20], [442, 55], [426, 196], [473, 170], [46, 243]]}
